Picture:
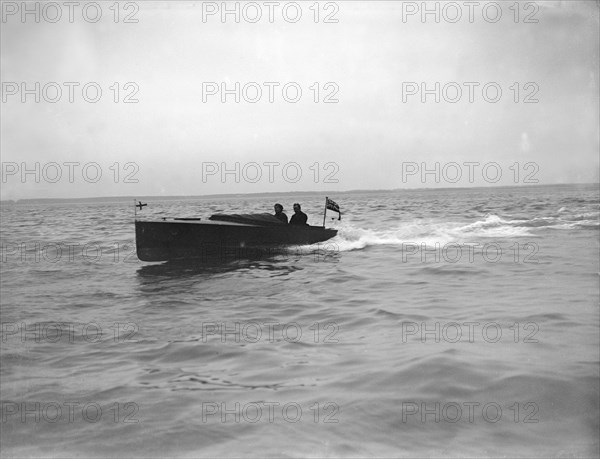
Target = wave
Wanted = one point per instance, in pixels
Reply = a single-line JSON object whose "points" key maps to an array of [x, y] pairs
{"points": [[430, 233]]}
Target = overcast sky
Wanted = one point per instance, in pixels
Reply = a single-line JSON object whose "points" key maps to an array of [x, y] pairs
{"points": [[378, 135]]}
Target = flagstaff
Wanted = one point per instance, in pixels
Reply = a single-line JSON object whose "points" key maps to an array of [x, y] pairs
{"points": [[136, 206]]}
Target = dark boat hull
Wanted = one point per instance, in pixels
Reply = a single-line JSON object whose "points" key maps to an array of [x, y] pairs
{"points": [[183, 240]]}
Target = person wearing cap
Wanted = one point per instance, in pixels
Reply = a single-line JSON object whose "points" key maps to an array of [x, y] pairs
{"points": [[279, 213], [299, 217]]}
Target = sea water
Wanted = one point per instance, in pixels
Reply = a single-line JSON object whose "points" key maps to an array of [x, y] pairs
{"points": [[461, 322]]}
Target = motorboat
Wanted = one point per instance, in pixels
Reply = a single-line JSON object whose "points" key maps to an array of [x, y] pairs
{"points": [[221, 235]]}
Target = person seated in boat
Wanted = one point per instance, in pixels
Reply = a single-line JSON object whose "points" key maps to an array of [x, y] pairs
{"points": [[279, 213], [299, 217]]}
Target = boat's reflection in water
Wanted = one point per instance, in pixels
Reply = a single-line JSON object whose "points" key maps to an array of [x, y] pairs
{"points": [[279, 260]]}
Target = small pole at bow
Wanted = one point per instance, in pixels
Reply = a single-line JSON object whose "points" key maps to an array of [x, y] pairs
{"points": [[325, 211], [138, 205]]}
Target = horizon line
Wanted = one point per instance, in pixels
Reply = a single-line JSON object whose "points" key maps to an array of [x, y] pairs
{"points": [[170, 197]]}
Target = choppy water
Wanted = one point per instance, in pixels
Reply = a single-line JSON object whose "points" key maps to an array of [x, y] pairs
{"points": [[483, 343]]}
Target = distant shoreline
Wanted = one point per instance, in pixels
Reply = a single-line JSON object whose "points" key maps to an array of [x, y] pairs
{"points": [[329, 193]]}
